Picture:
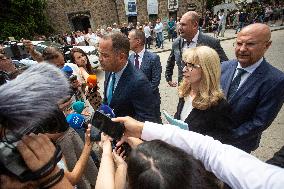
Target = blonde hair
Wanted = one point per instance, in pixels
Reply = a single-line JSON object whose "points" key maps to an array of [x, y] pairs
{"points": [[209, 92]]}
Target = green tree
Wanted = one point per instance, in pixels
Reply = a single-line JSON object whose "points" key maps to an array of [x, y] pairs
{"points": [[211, 3], [23, 19]]}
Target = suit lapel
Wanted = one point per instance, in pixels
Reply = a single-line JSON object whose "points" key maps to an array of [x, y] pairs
{"points": [[251, 80], [145, 61], [131, 58], [120, 85], [229, 76], [200, 39], [107, 77]]}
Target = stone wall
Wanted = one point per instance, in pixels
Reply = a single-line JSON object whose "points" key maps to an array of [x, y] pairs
{"points": [[105, 12]]}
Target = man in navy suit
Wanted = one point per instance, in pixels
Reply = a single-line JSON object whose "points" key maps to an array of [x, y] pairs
{"points": [[253, 87], [126, 90], [149, 63], [190, 37]]}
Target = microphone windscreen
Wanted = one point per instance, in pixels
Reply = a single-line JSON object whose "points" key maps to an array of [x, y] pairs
{"points": [[78, 106], [92, 81], [32, 96], [105, 109], [76, 121], [67, 71]]}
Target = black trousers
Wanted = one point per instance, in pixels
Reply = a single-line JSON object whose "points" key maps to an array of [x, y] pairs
{"points": [[148, 42]]}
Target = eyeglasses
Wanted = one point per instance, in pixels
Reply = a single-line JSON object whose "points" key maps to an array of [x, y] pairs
{"points": [[248, 44], [190, 66]]}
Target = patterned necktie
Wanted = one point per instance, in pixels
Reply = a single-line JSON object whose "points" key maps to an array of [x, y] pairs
{"points": [[187, 44], [136, 61], [235, 83], [110, 88]]}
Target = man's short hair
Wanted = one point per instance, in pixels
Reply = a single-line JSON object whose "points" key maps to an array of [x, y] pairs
{"points": [[51, 53], [138, 34], [120, 42], [193, 16]]}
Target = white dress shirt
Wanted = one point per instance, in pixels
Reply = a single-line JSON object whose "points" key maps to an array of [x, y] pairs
{"points": [[187, 108], [147, 31], [159, 27], [235, 167], [249, 71], [193, 42]]}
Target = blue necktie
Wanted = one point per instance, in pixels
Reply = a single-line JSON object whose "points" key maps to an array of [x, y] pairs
{"points": [[235, 83], [110, 88]]}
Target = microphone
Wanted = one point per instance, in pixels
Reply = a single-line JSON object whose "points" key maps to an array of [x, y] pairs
{"points": [[67, 70], [78, 106], [76, 121], [32, 96], [106, 110], [92, 81]]}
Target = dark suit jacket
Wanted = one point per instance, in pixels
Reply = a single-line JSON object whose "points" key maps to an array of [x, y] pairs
{"points": [[216, 121], [133, 95], [151, 67], [176, 53], [256, 103]]}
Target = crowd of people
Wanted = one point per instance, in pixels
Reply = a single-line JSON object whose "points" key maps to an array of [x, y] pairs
{"points": [[154, 33], [227, 104], [238, 18]]}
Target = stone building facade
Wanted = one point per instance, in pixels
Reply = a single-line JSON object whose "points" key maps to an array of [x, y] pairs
{"points": [[71, 15]]}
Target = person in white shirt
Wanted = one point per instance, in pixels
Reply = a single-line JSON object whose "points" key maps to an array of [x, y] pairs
{"points": [[147, 31], [233, 166], [159, 31], [91, 37], [222, 22]]}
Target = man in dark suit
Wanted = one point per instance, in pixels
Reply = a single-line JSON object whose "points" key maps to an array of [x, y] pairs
{"points": [[126, 90], [149, 63], [253, 87], [189, 37]]}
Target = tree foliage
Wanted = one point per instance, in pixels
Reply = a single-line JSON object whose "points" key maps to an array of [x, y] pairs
{"points": [[23, 19], [211, 3]]}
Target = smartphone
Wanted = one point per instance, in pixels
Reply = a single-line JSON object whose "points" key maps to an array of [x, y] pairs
{"points": [[104, 124]]}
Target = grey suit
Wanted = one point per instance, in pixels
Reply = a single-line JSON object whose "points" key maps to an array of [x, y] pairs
{"points": [[176, 53], [151, 67]]}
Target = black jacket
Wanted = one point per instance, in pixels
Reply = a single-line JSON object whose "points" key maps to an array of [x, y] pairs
{"points": [[215, 121]]}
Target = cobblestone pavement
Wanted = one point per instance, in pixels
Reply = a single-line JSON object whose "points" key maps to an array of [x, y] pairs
{"points": [[273, 137]]}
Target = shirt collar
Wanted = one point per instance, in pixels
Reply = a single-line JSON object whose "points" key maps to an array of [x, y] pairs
{"points": [[141, 53], [195, 38], [250, 69], [119, 73]]}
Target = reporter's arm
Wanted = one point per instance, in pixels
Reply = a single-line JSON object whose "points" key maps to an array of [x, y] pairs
{"points": [[84, 73], [121, 171], [231, 165], [75, 175], [37, 56], [106, 173]]}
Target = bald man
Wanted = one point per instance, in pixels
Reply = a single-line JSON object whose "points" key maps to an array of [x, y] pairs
{"points": [[253, 87], [189, 37]]}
